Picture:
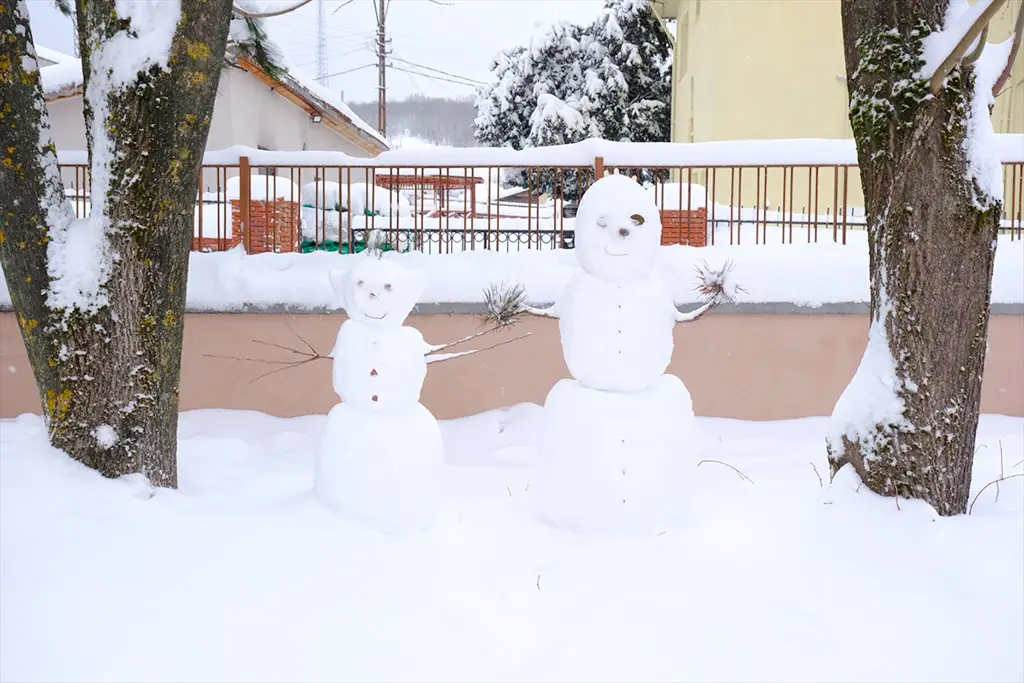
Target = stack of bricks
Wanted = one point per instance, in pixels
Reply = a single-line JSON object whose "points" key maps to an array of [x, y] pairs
{"points": [[684, 227], [274, 226]]}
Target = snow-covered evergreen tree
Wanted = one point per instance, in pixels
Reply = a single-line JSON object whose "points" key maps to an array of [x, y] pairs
{"points": [[611, 80], [636, 71], [503, 108]]}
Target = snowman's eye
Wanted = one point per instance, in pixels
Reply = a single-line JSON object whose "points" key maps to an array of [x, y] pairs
{"points": [[637, 219], [602, 222], [387, 287], [359, 283]]}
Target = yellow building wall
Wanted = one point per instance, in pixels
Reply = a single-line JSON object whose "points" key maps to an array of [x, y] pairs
{"points": [[770, 69]]}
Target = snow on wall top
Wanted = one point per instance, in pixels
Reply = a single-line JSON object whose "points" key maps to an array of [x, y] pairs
{"points": [[805, 275], [795, 152]]}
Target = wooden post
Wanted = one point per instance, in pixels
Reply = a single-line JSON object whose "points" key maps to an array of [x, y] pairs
{"points": [[598, 168], [244, 196]]}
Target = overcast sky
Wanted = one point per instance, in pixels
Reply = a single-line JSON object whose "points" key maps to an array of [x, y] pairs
{"points": [[441, 43]]}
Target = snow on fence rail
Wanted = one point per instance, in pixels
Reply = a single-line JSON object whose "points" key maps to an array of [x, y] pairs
{"points": [[446, 200]]}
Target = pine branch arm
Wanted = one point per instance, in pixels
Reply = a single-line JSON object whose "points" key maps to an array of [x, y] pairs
{"points": [[1018, 34]]}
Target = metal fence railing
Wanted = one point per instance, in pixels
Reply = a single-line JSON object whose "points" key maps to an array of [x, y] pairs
{"points": [[445, 209]]}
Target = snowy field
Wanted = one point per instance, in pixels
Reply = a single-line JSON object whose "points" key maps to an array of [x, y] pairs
{"points": [[242, 575]]}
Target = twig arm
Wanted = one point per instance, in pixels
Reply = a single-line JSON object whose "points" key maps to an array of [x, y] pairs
{"points": [[695, 314], [451, 356], [549, 312]]}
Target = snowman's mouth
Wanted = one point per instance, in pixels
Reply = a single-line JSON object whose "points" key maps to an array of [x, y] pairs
{"points": [[615, 253], [376, 317]]}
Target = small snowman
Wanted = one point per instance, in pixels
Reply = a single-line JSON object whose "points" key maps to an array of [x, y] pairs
{"points": [[617, 448], [382, 454], [381, 458]]}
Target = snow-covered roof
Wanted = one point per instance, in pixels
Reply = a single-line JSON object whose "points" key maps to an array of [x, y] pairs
{"points": [[51, 56], [322, 101], [334, 100], [63, 78], [61, 74]]}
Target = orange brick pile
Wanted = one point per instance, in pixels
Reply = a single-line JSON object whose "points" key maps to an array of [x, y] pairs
{"points": [[684, 227], [273, 227]]}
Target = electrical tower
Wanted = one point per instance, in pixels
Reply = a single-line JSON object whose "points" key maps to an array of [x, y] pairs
{"points": [[321, 44], [381, 10]]}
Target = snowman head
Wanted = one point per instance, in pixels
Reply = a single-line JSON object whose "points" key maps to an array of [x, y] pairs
{"points": [[377, 292], [618, 229]]}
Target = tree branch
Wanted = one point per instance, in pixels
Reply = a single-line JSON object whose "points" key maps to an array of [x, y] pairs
{"points": [[956, 56], [978, 49], [1018, 32], [237, 9]]}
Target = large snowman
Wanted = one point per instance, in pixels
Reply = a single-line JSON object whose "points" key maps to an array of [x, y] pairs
{"points": [[616, 449], [381, 457]]}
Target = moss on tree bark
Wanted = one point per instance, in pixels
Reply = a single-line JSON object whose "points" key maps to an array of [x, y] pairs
{"points": [[932, 249], [109, 378]]}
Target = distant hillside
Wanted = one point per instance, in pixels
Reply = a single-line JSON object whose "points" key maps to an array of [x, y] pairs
{"points": [[438, 120]]}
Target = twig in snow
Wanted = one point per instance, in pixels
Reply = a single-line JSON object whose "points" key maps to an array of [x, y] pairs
{"points": [[538, 581], [734, 469], [1018, 464], [994, 481], [1002, 472], [821, 482]]}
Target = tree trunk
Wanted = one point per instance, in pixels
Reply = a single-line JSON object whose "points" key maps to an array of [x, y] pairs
{"points": [[908, 420], [106, 351]]}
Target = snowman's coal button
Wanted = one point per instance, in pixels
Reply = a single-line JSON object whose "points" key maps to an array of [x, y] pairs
{"points": [[373, 372], [374, 398]]}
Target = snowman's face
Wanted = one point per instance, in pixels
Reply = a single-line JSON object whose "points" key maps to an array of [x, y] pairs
{"points": [[377, 292], [618, 229]]}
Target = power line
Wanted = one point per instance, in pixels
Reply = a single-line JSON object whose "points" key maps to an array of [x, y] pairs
{"points": [[440, 71], [436, 78], [348, 71]]}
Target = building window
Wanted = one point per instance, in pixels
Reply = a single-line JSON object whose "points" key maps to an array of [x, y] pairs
{"points": [[263, 170]]}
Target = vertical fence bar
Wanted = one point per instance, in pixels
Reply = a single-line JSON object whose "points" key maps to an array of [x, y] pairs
{"points": [[243, 200]]}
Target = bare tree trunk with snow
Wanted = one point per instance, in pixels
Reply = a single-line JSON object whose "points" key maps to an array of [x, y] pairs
{"points": [[907, 421], [101, 301]]}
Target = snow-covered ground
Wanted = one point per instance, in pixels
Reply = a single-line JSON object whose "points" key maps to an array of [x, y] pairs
{"points": [[242, 575]]}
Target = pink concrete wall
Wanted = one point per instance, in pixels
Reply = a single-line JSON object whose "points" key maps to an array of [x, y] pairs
{"points": [[755, 366]]}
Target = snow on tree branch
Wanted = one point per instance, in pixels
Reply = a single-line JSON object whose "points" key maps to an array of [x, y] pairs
{"points": [[944, 50], [240, 8], [1018, 33]]}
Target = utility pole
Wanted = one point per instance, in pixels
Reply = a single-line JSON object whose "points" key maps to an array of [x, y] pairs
{"points": [[321, 45], [380, 9]]}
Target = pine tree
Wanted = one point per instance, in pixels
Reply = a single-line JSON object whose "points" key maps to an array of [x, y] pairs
{"points": [[611, 80], [504, 108], [639, 50]]}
